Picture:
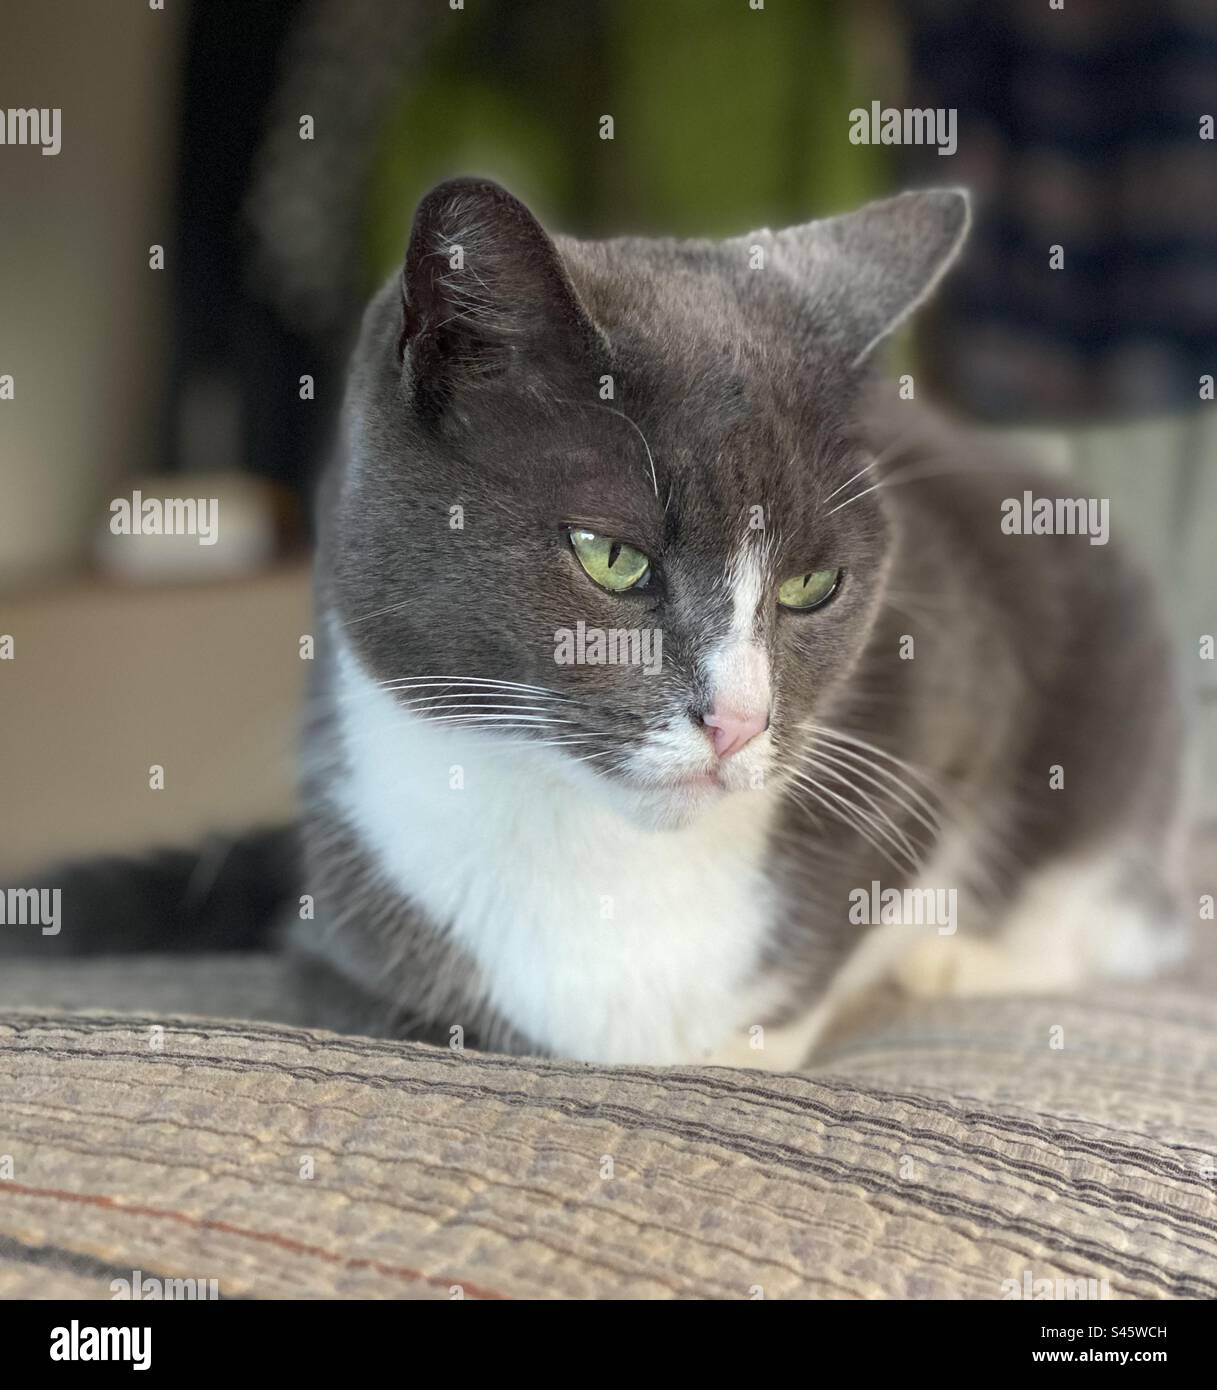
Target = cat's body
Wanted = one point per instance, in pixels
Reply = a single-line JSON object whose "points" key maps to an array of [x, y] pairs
{"points": [[573, 859]]}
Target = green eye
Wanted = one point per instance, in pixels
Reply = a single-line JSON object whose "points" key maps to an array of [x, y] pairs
{"points": [[613, 565], [809, 590]]}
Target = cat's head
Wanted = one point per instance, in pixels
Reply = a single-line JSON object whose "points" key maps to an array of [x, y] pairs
{"points": [[559, 452]]}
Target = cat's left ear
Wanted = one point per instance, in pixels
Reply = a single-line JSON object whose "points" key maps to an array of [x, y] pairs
{"points": [[866, 271], [483, 287]]}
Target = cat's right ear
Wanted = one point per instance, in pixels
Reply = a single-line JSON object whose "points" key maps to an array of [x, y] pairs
{"points": [[865, 272], [483, 291]]}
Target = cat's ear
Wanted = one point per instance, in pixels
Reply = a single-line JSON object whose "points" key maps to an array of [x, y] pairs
{"points": [[483, 287], [866, 271]]}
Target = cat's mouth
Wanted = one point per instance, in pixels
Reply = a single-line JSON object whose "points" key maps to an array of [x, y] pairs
{"points": [[692, 781], [672, 802], [694, 787], [678, 794]]}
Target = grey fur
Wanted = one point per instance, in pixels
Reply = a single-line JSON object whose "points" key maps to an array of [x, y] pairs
{"points": [[735, 386]]}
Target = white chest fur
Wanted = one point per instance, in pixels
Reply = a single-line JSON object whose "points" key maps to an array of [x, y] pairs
{"points": [[599, 939]]}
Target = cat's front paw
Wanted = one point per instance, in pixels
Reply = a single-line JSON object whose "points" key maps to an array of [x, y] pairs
{"points": [[945, 968]]}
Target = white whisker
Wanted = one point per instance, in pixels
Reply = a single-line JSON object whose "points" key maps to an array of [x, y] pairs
{"points": [[379, 613], [521, 719], [879, 458], [880, 823], [431, 704], [415, 682], [933, 824], [851, 816], [841, 772], [855, 498], [841, 736]]}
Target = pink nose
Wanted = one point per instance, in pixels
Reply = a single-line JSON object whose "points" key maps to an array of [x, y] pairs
{"points": [[733, 730]]}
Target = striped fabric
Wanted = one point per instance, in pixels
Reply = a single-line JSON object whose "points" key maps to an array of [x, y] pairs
{"points": [[959, 1150]]}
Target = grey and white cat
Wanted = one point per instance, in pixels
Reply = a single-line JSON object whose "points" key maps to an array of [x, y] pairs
{"points": [[864, 680]]}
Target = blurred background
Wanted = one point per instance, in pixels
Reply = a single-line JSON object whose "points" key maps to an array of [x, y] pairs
{"points": [[180, 283]]}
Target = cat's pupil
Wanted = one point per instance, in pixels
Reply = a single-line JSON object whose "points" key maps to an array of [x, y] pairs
{"points": [[614, 551]]}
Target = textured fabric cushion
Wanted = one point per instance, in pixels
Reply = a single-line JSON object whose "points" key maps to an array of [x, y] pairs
{"points": [[934, 1150]]}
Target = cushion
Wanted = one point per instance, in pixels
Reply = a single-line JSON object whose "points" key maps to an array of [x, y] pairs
{"points": [[957, 1149]]}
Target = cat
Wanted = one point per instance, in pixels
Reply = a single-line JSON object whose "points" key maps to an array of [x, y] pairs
{"points": [[859, 682], [600, 862]]}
